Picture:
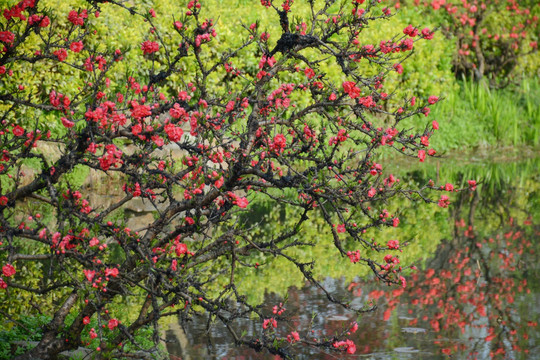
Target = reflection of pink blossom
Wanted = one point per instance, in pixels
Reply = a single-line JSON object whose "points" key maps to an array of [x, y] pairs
{"points": [[348, 344]]}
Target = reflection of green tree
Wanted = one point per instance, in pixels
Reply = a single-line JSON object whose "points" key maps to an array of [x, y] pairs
{"points": [[508, 189], [416, 227], [498, 173], [422, 226]]}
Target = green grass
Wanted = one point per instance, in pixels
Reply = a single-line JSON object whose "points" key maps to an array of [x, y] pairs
{"points": [[476, 116]]}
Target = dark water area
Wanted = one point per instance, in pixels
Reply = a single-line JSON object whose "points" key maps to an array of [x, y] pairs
{"points": [[476, 297]]}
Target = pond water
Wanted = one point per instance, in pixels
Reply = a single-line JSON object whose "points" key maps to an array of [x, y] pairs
{"points": [[475, 297]]}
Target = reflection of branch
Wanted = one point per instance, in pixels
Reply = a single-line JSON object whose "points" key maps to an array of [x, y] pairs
{"points": [[472, 207]]}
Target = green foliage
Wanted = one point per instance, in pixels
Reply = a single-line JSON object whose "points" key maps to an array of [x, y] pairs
{"points": [[142, 338], [77, 176], [27, 329], [30, 328]]}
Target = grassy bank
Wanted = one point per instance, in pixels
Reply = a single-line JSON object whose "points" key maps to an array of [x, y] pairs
{"points": [[473, 116]]}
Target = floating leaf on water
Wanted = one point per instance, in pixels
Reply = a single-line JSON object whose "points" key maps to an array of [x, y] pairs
{"points": [[413, 330], [406, 350], [358, 302], [337, 318]]}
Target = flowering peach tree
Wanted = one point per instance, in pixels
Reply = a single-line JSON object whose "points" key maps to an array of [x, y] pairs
{"points": [[201, 140]]}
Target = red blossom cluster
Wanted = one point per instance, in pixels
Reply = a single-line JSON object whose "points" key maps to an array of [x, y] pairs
{"points": [[149, 47]]}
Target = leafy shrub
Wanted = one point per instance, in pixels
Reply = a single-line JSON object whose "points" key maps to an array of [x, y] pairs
{"points": [[494, 39], [26, 329]]}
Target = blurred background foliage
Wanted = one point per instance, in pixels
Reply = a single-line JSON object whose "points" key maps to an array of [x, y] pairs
{"points": [[471, 115], [510, 186]]}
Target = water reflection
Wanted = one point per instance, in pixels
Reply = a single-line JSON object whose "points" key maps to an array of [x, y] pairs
{"points": [[477, 297]]}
